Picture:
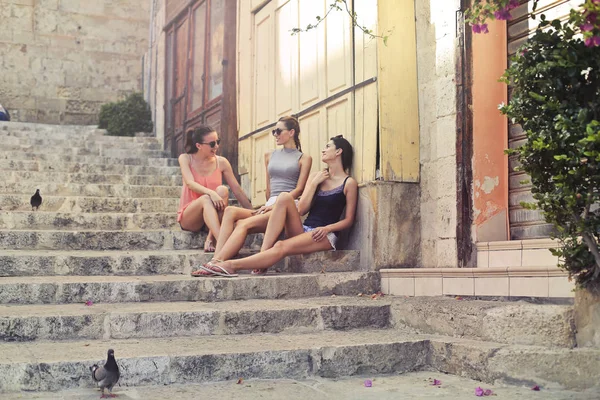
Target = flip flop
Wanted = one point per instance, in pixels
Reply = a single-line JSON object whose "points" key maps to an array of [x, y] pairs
{"points": [[259, 271], [209, 266], [202, 271]]}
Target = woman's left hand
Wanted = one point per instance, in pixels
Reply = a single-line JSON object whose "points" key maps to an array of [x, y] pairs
{"points": [[320, 233]]}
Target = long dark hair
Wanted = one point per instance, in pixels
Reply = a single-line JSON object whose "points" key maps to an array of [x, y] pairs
{"points": [[347, 151], [292, 123], [196, 135]]}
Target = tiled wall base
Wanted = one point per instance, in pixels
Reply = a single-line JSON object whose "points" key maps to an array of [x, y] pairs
{"points": [[491, 281]]}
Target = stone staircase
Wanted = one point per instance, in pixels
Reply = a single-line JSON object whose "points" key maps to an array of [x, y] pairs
{"points": [[106, 234]]}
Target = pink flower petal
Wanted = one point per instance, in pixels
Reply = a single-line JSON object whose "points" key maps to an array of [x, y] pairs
{"points": [[436, 382], [89, 303], [368, 383], [587, 27], [536, 388], [478, 391], [488, 392]]}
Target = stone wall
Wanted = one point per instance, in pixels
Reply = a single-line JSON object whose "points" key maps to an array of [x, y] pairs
{"points": [[155, 62], [436, 54], [60, 60]]}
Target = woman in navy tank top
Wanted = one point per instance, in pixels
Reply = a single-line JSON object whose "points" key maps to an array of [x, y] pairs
{"points": [[325, 197]]}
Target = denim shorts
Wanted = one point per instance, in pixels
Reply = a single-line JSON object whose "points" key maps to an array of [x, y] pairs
{"points": [[332, 237]]}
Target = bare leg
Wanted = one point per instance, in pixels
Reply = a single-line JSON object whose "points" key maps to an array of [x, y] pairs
{"points": [[235, 242], [230, 217], [300, 244], [283, 216], [211, 215]]}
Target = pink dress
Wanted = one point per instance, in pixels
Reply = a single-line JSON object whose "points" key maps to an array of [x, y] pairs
{"points": [[212, 181]]}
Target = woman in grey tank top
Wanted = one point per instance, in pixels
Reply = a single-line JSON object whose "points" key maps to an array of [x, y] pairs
{"points": [[287, 171]]}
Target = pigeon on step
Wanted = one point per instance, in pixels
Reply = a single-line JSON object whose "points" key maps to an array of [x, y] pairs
{"points": [[106, 376], [36, 200]]}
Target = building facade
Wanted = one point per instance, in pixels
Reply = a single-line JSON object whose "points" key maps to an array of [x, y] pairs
{"points": [[437, 191]]}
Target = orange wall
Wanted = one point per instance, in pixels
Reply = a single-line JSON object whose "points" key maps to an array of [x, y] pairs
{"points": [[490, 136]]}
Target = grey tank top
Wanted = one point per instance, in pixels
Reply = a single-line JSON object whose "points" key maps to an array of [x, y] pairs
{"points": [[284, 170]]}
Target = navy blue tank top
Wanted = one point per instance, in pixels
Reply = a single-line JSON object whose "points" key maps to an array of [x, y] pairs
{"points": [[327, 207]]}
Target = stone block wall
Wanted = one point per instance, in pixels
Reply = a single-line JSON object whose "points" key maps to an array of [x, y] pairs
{"points": [[60, 60], [437, 48]]}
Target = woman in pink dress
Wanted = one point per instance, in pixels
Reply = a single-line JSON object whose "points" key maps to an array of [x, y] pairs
{"points": [[203, 196]]}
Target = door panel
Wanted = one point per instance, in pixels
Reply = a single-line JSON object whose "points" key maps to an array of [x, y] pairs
{"points": [[198, 57]]}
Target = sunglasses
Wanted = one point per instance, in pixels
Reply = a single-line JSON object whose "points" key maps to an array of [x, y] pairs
{"points": [[277, 132], [213, 143]]}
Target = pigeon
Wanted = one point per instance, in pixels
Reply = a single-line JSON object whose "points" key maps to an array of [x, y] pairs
{"points": [[106, 376], [36, 200]]}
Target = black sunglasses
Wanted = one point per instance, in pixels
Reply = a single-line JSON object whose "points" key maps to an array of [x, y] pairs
{"points": [[213, 143], [277, 132]]}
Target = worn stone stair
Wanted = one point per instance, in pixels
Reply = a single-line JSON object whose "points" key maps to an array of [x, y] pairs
{"points": [[103, 264]]}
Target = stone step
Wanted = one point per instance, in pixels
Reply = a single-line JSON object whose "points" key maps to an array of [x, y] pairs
{"points": [[52, 366], [127, 263], [21, 202], [48, 166], [100, 240], [512, 322], [176, 319], [91, 143], [67, 132], [35, 128], [40, 220], [96, 160], [119, 289], [79, 178], [83, 151], [90, 190], [412, 385]]}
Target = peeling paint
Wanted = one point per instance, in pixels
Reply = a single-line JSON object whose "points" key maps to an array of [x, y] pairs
{"points": [[489, 184]]}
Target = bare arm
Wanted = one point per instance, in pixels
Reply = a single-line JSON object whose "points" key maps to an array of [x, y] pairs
{"points": [[188, 178], [310, 190], [234, 184], [305, 165], [267, 159]]}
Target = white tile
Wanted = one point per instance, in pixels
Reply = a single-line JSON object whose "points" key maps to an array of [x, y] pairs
{"points": [[428, 286], [402, 286]]}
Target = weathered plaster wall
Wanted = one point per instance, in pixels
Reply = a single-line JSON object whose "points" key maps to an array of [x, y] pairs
{"points": [[386, 229], [437, 48], [587, 317], [490, 136], [62, 59]]}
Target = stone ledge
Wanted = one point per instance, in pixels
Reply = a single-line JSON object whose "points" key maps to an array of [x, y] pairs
{"points": [[172, 319], [486, 282], [118, 289], [326, 354]]}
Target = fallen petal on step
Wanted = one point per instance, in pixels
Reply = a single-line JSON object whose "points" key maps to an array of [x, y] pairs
{"points": [[368, 383], [478, 391], [536, 388], [436, 382], [488, 392], [89, 303]]}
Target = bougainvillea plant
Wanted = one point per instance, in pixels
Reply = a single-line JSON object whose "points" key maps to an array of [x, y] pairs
{"points": [[555, 80], [586, 18]]}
